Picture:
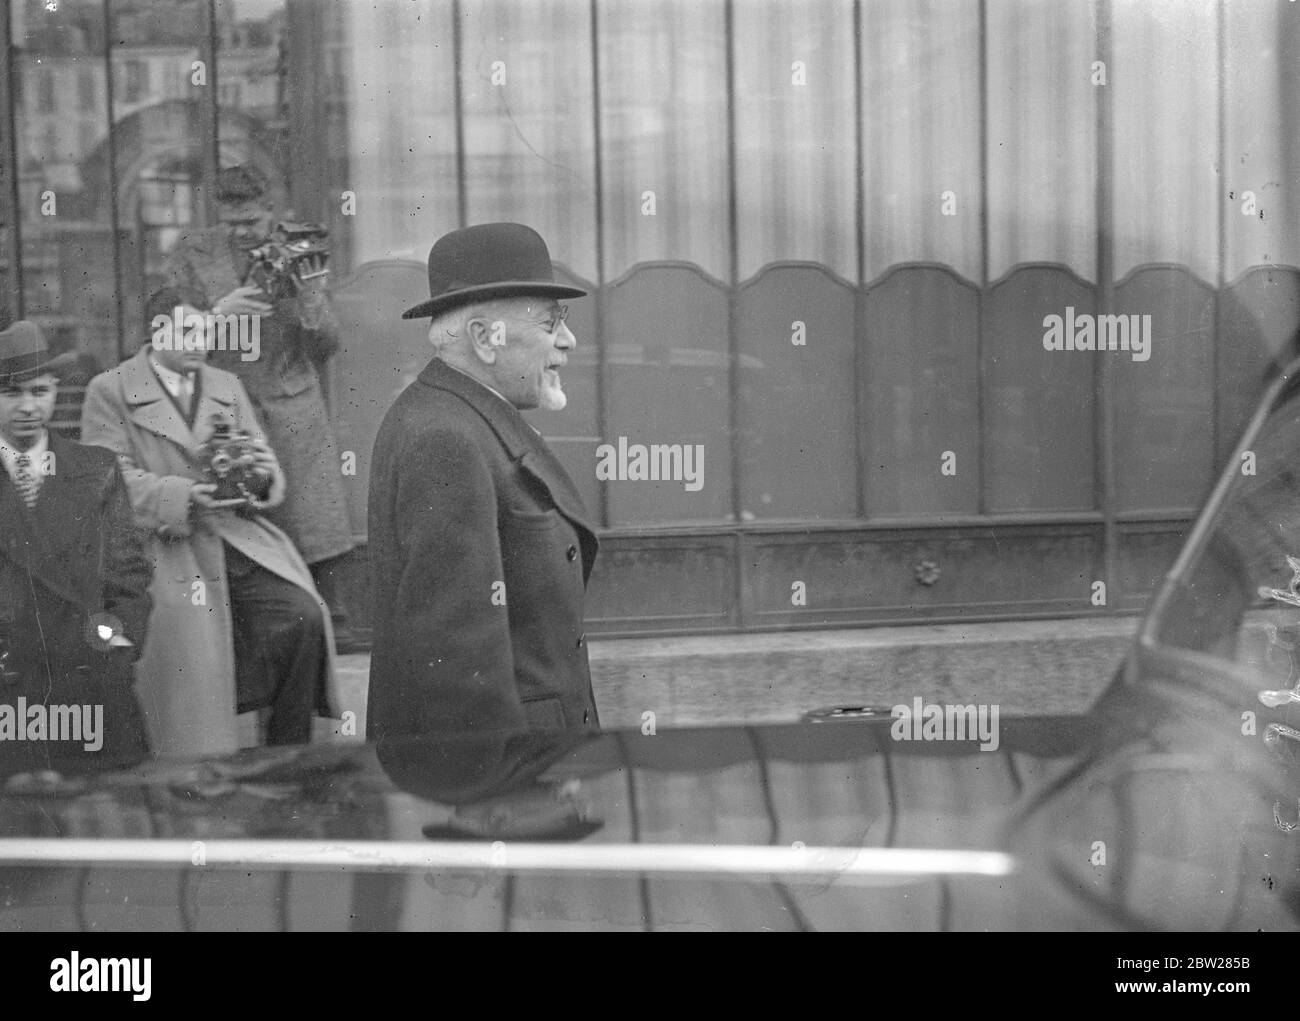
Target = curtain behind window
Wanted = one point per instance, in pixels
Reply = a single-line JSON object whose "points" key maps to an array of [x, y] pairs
{"points": [[401, 126], [998, 190]]}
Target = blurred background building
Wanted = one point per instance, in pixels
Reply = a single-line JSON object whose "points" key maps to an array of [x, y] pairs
{"points": [[911, 185]]}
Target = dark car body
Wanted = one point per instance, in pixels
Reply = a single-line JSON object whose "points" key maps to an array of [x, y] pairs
{"points": [[1171, 805]]}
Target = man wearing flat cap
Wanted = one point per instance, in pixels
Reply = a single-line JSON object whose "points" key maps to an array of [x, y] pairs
{"points": [[74, 582], [299, 332], [481, 547]]}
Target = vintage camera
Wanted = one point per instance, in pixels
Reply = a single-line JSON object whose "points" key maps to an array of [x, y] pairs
{"points": [[227, 459], [281, 258]]}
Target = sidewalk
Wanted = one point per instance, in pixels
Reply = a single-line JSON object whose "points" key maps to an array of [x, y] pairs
{"points": [[1025, 667]]}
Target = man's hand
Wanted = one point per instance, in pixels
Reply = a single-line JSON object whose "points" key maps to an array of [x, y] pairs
{"points": [[309, 274], [264, 460], [201, 497], [240, 301], [266, 465]]}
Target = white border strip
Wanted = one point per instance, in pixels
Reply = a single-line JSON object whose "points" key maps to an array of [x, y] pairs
{"points": [[383, 856]]}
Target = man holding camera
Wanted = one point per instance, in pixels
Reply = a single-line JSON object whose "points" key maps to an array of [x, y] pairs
{"points": [[74, 581], [298, 334], [237, 622]]}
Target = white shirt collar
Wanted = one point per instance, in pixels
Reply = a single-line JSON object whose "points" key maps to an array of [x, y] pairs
{"points": [[492, 390], [36, 452], [173, 381], [480, 382]]}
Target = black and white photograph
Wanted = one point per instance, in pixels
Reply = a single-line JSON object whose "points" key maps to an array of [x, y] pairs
{"points": [[651, 466]]}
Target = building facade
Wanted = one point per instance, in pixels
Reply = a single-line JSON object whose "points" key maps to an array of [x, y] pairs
{"points": [[856, 256]]}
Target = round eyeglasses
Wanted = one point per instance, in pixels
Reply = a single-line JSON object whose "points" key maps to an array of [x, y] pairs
{"points": [[557, 317]]}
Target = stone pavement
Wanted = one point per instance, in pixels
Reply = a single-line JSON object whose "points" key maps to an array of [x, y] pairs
{"points": [[1025, 667]]}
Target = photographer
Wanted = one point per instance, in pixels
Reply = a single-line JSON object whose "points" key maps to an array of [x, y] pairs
{"points": [[298, 334], [237, 623]]}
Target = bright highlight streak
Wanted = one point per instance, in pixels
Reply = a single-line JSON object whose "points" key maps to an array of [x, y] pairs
{"points": [[734, 860]]}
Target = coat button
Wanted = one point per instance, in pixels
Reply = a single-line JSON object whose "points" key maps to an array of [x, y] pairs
{"points": [[572, 553]]}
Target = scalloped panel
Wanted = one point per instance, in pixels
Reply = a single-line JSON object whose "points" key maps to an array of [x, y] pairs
{"points": [[798, 456], [1038, 404], [921, 394], [667, 374]]}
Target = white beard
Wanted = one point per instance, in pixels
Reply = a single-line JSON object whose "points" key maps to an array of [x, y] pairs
{"points": [[553, 398]]}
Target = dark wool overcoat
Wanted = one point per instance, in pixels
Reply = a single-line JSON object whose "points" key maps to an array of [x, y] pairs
{"points": [[481, 550], [71, 563]]}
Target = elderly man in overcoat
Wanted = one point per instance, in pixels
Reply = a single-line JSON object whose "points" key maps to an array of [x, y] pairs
{"points": [[74, 582], [299, 332], [481, 547], [237, 623]]}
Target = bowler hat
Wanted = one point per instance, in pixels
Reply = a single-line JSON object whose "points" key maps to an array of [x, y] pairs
{"points": [[239, 184], [24, 354], [488, 260]]}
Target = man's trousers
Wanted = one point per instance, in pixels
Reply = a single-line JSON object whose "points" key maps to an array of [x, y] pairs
{"points": [[280, 655]]}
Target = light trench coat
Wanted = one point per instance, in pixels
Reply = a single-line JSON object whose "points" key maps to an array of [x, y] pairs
{"points": [[185, 678]]}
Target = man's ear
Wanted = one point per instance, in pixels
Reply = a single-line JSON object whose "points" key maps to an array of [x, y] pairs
{"points": [[486, 336]]}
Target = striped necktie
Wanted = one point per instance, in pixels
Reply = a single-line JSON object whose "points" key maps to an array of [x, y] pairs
{"points": [[26, 480]]}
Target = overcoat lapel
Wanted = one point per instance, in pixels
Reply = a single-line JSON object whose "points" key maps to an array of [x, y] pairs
{"points": [[36, 541], [148, 404], [523, 444], [544, 466], [18, 538], [151, 409], [216, 399]]}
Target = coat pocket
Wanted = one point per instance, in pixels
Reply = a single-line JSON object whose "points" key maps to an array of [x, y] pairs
{"points": [[533, 520]]}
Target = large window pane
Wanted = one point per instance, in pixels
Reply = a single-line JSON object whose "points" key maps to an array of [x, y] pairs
{"points": [[663, 92], [663, 98], [921, 124], [77, 183], [161, 108], [529, 129], [795, 152], [1261, 57], [796, 202], [64, 201], [1042, 135], [399, 69], [1166, 130], [254, 97]]}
